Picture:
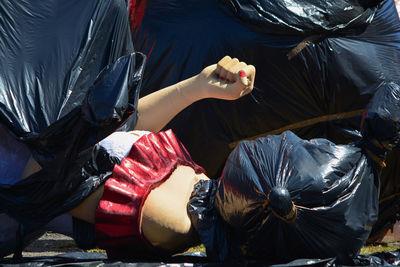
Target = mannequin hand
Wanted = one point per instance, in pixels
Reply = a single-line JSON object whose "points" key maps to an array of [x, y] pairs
{"points": [[230, 79]]}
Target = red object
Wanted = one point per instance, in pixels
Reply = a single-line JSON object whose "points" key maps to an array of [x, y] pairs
{"points": [[150, 162], [242, 74], [136, 13]]}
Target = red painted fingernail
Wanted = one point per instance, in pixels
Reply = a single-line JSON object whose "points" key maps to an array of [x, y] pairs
{"points": [[221, 78], [228, 80], [234, 81], [242, 74], [217, 74]]}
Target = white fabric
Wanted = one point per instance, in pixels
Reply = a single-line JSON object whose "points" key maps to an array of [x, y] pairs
{"points": [[118, 144]]}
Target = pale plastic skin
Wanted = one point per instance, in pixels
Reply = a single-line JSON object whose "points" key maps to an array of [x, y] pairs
{"points": [[165, 221]]}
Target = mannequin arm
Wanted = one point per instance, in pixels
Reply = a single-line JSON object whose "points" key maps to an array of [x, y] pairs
{"points": [[229, 80]]}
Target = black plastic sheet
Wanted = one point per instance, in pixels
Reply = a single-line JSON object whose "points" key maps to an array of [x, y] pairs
{"points": [[302, 17], [282, 198], [381, 121], [68, 78], [340, 53], [287, 198], [52, 53], [197, 259]]}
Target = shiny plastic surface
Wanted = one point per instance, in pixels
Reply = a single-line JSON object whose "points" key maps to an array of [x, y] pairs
{"points": [[333, 189], [197, 259], [68, 78], [150, 162], [344, 51], [381, 123], [381, 131], [302, 17], [281, 198]]}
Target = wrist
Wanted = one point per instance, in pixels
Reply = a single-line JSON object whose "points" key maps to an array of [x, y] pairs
{"points": [[192, 89]]}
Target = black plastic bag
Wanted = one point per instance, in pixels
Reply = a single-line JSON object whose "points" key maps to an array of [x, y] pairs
{"points": [[381, 121], [282, 198], [68, 78], [340, 53], [302, 17], [288, 198]]}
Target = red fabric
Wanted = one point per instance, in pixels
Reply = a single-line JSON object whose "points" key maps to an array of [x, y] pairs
{"points": [[150, 162], [136, 13]]}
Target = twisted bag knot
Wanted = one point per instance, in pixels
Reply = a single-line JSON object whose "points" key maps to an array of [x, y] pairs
{"points": [[281, 204]]}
